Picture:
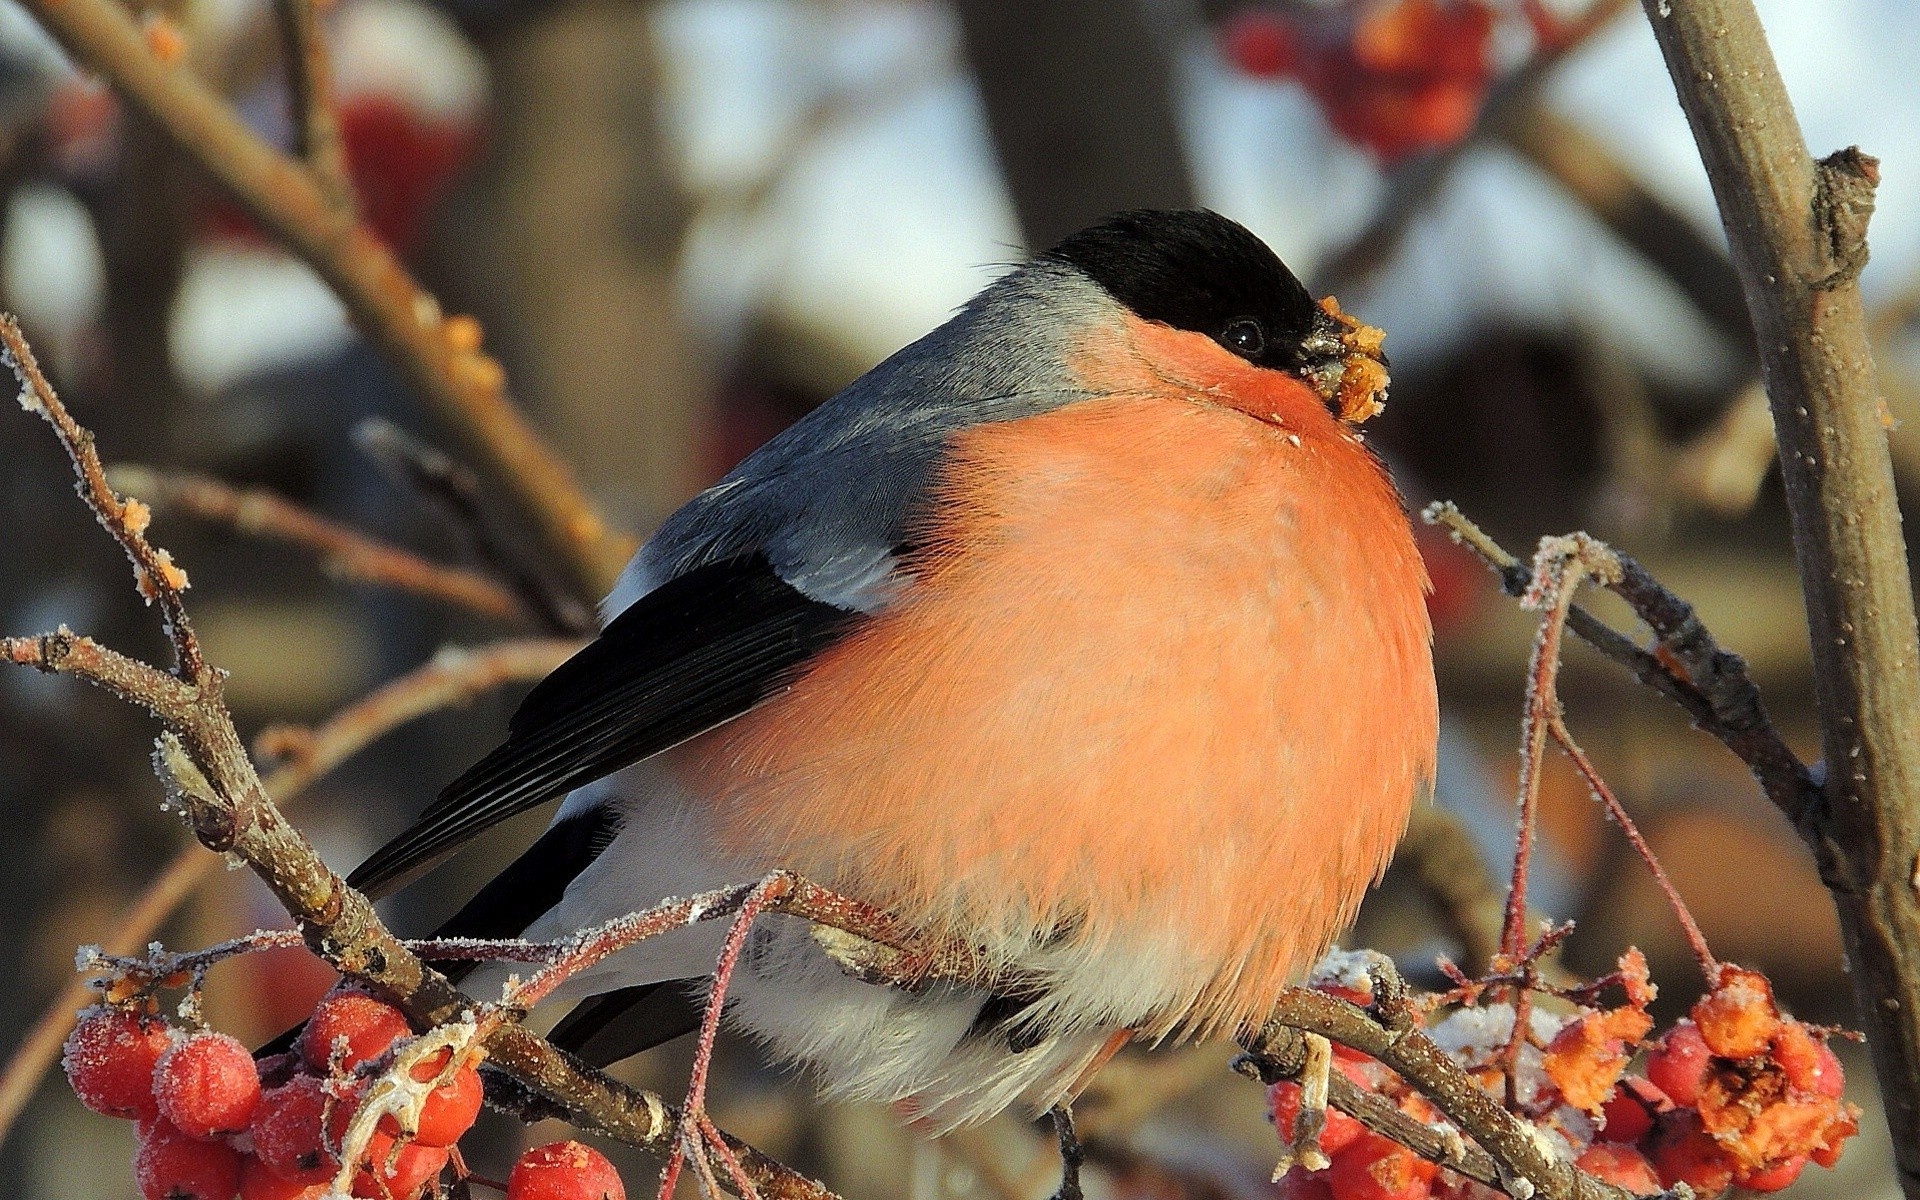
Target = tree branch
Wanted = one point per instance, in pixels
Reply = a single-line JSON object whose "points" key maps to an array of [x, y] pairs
{"points": [[464, 387], [345, 553], [1797, 230], [316, 120]]}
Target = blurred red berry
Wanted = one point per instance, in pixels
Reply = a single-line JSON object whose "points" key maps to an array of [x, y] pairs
{"points": [[109, 1059], [1738, 1018], [1377, 1168], [1262, 44], [402, 162], [258, 1182], [289, 1131], [207, 1085], [564, 1171], [1629, 1113], [1683, 1152], [1775, 1178], [1679, 1062], [1620, 1165], [169, 1165], [1340, 1131], [369, 1026]]}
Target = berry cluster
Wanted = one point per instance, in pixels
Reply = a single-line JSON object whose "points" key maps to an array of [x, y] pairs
{"points": [[1395, 77], [214, 1124], [1737, 1094]]}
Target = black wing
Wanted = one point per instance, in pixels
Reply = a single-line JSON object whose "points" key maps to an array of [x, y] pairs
{"points": [[696, 651]]}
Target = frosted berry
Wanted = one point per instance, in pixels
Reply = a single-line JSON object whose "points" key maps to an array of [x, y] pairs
{"points": [[1738, 1017], [1376, 1168], [1679, 1062], [1776, 1177], [1339, 1132], [288, 1131], [564, 1171], [367, 1025], [1620, 1165], [450, 1109], [1808, 1061], [258, 1182], [389, 1175], [207, 1085], [109, 1060], [169, 1165]]}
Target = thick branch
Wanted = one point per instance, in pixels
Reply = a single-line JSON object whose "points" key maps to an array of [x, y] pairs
{"points": [[1797, 230], [465, 388], [344, 552]]}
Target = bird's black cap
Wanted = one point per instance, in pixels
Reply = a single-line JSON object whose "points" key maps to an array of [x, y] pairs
{"points": [[1197, 270]]}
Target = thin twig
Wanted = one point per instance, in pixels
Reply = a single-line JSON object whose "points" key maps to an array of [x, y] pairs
{"points": [[316, 119], [158, 579], [464, 387], [344, 552], [452, 678]]}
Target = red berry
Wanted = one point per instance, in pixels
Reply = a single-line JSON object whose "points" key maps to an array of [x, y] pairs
{"points": [[207, 1085], [1679, 1063], [258, 1182], [1376, 1168], [109, 1060], [1683, 1152], [1338, 1133], [1777, 1177], [288, 1131], [386, 1175], [368, 1027], [1620, 1165], [1261, 44], [169, 1165], [1809, 1062], [450, 1109], [564, 1171], [1629, 1112]]}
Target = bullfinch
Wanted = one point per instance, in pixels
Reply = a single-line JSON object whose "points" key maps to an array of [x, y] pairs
{"points": [[1086, 631]]}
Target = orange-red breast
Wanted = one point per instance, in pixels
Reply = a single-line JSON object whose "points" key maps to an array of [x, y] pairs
{"points": [[1085, 630]]}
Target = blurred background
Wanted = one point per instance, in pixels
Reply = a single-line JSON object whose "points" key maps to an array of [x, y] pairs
{"points": [[683, 223]]}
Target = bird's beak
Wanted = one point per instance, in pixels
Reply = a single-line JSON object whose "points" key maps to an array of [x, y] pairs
{"points": [[1345, 363]]}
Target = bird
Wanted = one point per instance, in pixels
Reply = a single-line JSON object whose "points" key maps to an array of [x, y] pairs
{"points": [[1086, 631]]}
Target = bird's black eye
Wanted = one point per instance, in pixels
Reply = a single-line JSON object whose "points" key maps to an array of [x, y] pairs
{"points": [[1244, 336]]}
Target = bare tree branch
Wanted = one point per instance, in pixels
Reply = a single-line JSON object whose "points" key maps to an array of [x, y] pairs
{"points": [[316, 120], [345, 553], [465, 387]]}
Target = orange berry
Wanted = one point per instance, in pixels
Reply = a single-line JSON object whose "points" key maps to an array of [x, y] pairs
{"points": [[1377, 1168], [258, 1182], [1776, 1177], [1738, 1017], [1620, 1165], [169, 1165], [1683, 1152], [1340, 1131], [1679, 1062], [365, 1026]]}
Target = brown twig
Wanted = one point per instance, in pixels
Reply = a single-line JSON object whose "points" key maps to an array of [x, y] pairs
{"points": [[310, 100], [345, 553], [1692, 670], [452, 678], [465, 387], [1797, 230]]}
